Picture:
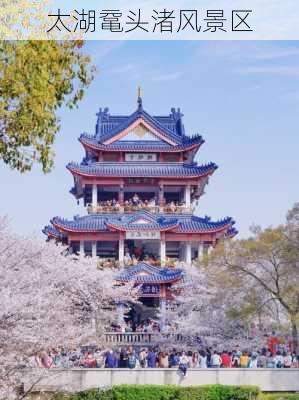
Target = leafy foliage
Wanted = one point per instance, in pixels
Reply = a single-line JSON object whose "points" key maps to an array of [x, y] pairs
{"points": [[266, 265], [279, 396], [36, 79], [167, 392]]}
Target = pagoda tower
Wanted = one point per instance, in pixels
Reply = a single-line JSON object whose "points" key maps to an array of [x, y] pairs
{"points": [[140, 185]]}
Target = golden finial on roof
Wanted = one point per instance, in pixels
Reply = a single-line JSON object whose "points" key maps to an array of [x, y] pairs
{"points": [[139, 92], [139, 98]]}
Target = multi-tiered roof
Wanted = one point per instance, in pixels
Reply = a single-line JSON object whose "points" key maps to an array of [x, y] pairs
{"points": [[167, 160]]}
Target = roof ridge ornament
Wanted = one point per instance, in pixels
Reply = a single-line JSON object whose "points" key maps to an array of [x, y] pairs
{"points": [[139, 99]]}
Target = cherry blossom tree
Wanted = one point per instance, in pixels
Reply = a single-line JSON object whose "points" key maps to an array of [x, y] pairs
{"points": [[205, 312], [264, 266], [49, 299], [193, 312]]}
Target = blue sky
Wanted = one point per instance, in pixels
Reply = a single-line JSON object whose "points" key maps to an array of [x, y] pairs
{"points": [[243, 97]]}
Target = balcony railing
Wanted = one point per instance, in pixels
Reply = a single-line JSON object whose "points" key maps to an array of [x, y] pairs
{"points": [[140, 338], [173, 209], [104, 209], [111, 262], [147, 338], [168, 209], [131, 208]]}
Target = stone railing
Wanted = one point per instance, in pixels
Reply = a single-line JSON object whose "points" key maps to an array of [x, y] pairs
{"points": [[140, 338], [77, 380]]}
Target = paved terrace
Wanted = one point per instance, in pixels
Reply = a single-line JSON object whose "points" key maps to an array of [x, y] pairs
{"points": [[269, 380]]}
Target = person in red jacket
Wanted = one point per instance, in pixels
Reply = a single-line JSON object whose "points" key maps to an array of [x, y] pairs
{"points": [[226, 360], [272, 343]]}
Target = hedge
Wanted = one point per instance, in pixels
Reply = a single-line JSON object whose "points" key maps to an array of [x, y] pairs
{"points": [[168, 392], [279, 396]]}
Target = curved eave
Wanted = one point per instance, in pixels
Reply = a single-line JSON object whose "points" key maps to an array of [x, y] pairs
{"points": [[65, 228], [52, 234], [134, 149], [76, 171], [141, 228], [208, 230], [232, 232], [156, 281]]}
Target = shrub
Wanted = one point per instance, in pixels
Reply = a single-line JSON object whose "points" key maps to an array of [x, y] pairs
{"points": [[168, 392], [279, 396]]}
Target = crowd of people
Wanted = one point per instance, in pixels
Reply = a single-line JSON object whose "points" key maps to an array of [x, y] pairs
{"points": [[147, 326], [135, 204], [159, 358], [133, 256], [104, 206]]}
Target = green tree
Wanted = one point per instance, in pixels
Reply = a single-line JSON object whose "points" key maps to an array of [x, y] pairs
{"points": [[36, 79], [266, 267]]}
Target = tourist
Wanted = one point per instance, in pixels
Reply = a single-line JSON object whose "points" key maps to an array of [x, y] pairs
{"points": [[215, 360], [183, 363], [163, 360], [262, 362], [46, 360], [57, 360], [174, 359], [133, 360], [203, 360], [253, 361], [152, 203], [128, 258], [111, 360], [270, 363], [209, 355], [135, 199], [151, 359], [287, 359], [123, 359], [90, 361], [295, 363], [244, 360], [172, 206], [226, 361], [129, 327], [138, 252], [195, 360], [100, 358], [134, 260], [143, 358], [189, 355], [279, 360]]}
